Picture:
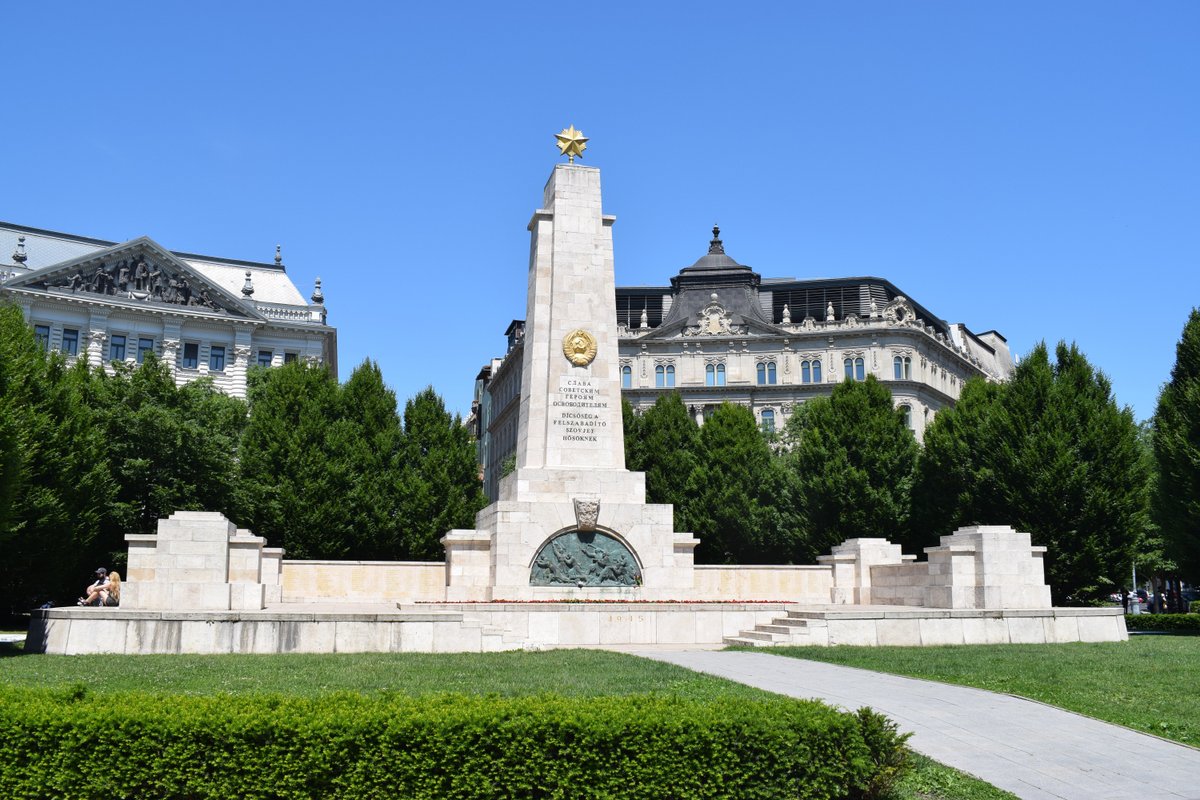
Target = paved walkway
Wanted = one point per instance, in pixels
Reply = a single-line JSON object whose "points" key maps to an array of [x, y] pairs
{"points": [[1032, 750]]}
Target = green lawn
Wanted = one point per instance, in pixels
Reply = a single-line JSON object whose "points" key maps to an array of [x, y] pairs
{"points": [[1149, 683], [567, 672]]}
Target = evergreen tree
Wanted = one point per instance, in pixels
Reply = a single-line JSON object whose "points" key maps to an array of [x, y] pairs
{"points": [[1177, 453], [631, 424], [734, 493], [370, 440], [292, 486], [668, 439], [852, 460], [440, 485], [950, 474], [1050, 453], [57, 483]]}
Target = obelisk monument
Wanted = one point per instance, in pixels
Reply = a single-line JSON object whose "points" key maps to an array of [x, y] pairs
{"points": [[570, 521]]}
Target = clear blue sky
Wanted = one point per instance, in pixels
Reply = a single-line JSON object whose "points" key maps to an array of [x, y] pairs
{"points": [[1031, 167]]}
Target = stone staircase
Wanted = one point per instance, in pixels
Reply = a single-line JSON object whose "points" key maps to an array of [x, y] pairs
{"points": [[797, 628]]}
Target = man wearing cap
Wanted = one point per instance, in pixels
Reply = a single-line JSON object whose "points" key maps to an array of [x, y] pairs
{"points": [[93, 589]]}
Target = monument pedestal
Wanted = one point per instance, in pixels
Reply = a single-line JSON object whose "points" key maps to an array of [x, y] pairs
{"points": [[571, 522]]}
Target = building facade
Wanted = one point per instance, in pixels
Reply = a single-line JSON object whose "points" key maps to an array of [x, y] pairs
{"points": [[203, 316], [719, 332]]}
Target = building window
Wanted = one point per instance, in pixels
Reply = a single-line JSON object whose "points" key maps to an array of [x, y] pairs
{"points": [[191, 355], [670, 376], [626, 377], [144, 346], [810, 371], [902, 368], [264, 358], [289, 358], [766, 373], [768, 421], [714, 375], [42, 334], [854, 369], [660, 376], [70, 342], [216, 359], [906, 412], [116, 348]]}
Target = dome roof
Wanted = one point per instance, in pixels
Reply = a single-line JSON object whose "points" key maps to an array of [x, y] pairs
{"points": [[715, 260]]}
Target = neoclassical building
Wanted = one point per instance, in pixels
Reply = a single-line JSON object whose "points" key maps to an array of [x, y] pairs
{"points": [[203, 316], [722, 333]]}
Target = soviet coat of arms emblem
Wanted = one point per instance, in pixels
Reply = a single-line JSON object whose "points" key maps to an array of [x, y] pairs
{"points": [[579, 347]]}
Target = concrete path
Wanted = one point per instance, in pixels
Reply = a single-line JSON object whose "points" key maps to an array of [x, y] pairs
{"points": [[1032, 750]]}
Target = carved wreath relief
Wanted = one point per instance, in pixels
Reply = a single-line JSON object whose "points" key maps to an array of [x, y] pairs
{"points": [[579, 347], [579, 558]]}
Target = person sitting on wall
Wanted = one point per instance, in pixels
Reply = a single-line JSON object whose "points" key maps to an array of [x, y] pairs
{"points": [[91, 595], [112, 595]]}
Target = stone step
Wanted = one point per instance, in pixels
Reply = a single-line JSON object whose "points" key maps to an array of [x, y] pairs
{"points": [[782, 629], [766, 636], [791, 622], [745, 642]]}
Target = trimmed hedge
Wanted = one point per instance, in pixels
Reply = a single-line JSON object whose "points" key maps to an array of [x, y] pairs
{"points": [[73, 743], [1170, 623]]}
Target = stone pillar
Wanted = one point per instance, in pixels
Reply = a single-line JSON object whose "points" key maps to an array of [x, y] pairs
{"points": [[468, 565], [852, 561], [571, 288], [241, 362], [97, 338]]}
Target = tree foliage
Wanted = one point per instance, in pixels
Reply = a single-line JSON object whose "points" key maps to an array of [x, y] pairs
{"points": [[1051, 453], [735, 496], [440, 486], [852, 459], [1177, 453], [666, 441], [59, 492]]}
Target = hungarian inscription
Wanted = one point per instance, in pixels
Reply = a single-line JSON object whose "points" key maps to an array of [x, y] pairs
{"points": [[578, 413]]}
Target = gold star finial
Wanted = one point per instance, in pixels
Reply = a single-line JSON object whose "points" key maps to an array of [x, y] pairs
{"points": [[571, 143]]}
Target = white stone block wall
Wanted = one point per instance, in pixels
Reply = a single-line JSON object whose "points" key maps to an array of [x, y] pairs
{"points": [[197, 560]]}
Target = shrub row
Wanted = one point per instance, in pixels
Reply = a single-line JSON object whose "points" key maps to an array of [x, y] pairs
{"points": [[1173, 623], [1194, 607], [74, 743]]}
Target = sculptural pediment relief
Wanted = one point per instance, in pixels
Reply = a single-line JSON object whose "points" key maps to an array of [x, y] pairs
{"points": [[140, 272]]}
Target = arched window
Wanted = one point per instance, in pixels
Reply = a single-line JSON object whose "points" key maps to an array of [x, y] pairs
{"points": [[902, 368], [670, 376], [766, 373], [660, 376], [626, 377], [854, 369], [906, 410], [805, 373], [810, 371], [720, 374], [710, 375], [816, 371], [848, 365], [768, 420]]}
